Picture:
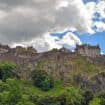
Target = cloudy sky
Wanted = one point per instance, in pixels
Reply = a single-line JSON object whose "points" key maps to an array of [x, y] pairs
{"points": [[47, 24]]}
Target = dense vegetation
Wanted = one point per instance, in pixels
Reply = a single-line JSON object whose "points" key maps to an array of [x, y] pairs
{"points": [[42, 80], [42, 90], [7, 70]]}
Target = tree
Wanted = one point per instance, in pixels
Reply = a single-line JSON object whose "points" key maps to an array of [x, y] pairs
{"points": [[6, 70], [42, 80]]}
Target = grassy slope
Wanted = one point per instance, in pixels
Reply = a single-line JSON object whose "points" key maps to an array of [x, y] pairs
{"points": [[56, 91]]}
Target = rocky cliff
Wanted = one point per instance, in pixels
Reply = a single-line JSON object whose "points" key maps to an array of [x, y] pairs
{"points": [[62, 64]]}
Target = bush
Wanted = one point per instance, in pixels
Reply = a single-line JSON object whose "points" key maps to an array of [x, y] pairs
{"points": [[73, 96], [6, 70], [101, 95], [47, 100], [102, 102], [42, 80], [12, 95], [3, 86], [15, 92], [88, 96], [95, 101]]}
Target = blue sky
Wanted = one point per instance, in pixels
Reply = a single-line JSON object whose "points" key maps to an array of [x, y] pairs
{"points": [[94, 39]]}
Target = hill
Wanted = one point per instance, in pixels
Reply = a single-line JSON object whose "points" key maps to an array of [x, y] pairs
{"points": [[62, 64]]}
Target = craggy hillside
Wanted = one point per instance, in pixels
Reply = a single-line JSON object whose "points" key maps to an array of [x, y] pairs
{"points": [[61, 64]]}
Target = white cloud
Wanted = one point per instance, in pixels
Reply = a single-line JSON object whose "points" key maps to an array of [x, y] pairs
{"points": [[69, 40], [25, 21], [48, 42], [100, 8], [100, 26]]}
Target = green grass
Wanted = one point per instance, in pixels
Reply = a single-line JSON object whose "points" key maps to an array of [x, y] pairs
{"points": [[56, 91]]}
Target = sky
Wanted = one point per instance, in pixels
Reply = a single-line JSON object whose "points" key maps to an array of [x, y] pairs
{"points": [[48, 24]]}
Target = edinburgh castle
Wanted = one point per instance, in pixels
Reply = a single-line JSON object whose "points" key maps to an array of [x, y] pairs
{"points": [[84, 50]]}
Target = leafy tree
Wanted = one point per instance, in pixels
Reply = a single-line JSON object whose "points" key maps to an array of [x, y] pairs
{"points": [[42, 80], [6, 70]]}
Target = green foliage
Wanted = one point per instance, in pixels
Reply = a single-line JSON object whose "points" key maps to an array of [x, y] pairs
{"points": [[95, 101], [73, 96], [3, 86], [25, 101], [15, 92], [42, 80], [101, 96], [48, 100], [6, 70], [88, 96], [102, 102], [11, 92]]}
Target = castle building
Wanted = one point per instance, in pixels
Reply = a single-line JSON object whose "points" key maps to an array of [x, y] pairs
{"points": [[4, 48], [87, 50]]}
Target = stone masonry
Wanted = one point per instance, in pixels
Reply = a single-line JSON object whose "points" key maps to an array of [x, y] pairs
{"points": [[88, 50]]}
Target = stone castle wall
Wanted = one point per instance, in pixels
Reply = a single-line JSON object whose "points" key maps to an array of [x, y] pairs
{"points": [[87, 50], [18, 51]]}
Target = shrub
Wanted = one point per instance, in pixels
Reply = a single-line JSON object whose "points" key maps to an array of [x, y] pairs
{"points": [[6, 70], [88, 96], [47, 100], [73, 96], [3, 86], [15, 92], [42, 80], [12, 95]]}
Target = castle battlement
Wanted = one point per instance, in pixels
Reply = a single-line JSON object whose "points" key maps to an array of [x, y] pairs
{"points": [[18, 50], [88, 50], [84, 50]]}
